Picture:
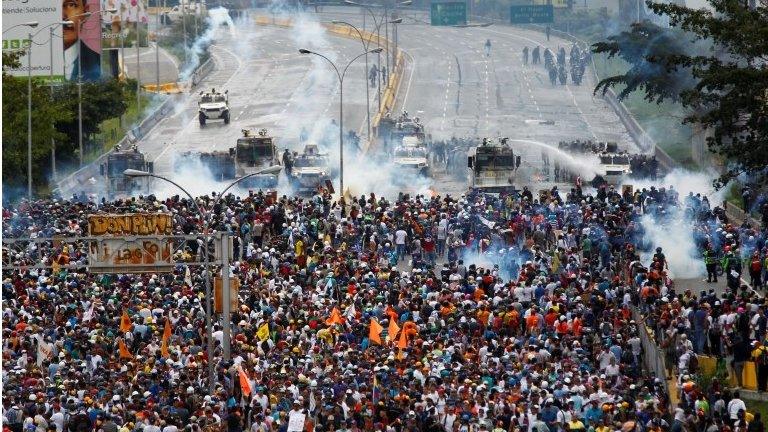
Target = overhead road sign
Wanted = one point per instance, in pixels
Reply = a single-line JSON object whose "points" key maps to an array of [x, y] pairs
{"points": [[531, 14], [448, 13]]}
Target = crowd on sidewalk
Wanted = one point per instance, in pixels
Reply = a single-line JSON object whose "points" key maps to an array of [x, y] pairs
{"points": [[473, 313]]}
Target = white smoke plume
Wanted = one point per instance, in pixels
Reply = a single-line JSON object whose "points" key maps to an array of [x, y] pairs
{"points": [[217, 20], [674, 233]]}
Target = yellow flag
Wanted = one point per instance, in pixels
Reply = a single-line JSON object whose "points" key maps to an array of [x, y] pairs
{"points": [[263, 332]]}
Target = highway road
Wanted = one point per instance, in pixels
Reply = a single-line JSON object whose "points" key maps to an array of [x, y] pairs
{"points": [[459, 92], [271, 86], [450, 84]]}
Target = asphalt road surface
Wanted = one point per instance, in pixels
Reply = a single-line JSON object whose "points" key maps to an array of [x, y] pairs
{"points": [[458, 91], [154, 66], [450, 84], [271, 86]]}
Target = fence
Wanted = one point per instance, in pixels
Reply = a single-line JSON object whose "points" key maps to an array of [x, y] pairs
{"points": [[72, 183]]}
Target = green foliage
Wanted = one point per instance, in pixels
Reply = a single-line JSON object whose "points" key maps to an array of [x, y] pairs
{"points": [[46, 111], [54, 117], [102, 100], [650, 51], [724, 90]]}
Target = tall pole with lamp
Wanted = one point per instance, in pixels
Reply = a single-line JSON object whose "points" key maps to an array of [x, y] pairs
{"points": [[341, 105], [31, 25], [80, 80], [206, 219]]}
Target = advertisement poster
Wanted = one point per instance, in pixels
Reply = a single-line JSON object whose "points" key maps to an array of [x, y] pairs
{"points": [[119, 30], [16, 36], [82, 50]]}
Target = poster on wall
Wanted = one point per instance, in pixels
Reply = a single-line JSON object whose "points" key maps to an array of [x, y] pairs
{"points": [[119, 30], [82, 49], [45, 63]]}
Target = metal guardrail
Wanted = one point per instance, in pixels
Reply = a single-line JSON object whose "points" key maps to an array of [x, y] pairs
{"points": [[72, 182]]}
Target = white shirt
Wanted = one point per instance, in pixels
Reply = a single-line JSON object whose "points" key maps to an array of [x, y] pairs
{"points": [[400, 236], [70, 60], [734, 406]]}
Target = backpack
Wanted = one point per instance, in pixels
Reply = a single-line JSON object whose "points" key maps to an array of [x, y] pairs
{"points": [[762, 359], [693, 363]]}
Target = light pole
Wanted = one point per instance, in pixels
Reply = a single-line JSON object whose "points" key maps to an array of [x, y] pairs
{"points": [[365, 74], [29, 116], [51, 28], [80, 79], [341, 105], [205, 216], [378, 25]]}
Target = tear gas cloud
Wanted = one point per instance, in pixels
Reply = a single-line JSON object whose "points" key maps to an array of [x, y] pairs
{"points": [[674, 232], [218, 19]]}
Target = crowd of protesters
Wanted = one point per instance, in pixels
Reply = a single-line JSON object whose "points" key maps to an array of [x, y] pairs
{"points": [[473, 313]]}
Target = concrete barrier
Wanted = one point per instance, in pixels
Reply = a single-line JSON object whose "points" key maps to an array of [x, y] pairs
{"points": [[389, 93], [72, 182]]}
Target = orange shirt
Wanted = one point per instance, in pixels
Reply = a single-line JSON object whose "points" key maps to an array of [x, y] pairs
{"points": [[532, 321]]}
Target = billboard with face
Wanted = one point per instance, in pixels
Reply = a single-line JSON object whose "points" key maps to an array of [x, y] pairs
{"points": [[81, 39], [44, 62]]}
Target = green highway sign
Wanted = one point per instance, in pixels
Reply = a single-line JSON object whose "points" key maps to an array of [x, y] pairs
{"points": [[448, 13], [531, 14]]}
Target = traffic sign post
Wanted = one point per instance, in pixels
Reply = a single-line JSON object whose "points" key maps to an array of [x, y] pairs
{"points": [[448, 13], [531, 14]]}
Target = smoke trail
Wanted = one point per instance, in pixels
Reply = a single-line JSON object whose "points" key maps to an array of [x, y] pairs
{"points": [[216, 19]]}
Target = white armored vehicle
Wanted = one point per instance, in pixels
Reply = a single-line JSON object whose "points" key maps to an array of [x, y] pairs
{"points": [[411, 160], [310, 169], [213, 106]]}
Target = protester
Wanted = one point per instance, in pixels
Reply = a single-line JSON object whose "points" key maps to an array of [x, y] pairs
{"points": [[349, 318]]}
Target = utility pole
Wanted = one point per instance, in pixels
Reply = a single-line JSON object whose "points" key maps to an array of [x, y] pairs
{"points": [[226, 313], [53, 141], [157, 46], [138, 67], [29, 117]]}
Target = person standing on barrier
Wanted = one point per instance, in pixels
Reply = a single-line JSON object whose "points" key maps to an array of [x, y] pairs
{"points": [[741, 354], [760, 357]]}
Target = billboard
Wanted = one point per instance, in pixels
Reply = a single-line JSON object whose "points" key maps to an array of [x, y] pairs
{"points": [[130, 224], [131, 243], [118, 30], [83, 54], [45, 12]]}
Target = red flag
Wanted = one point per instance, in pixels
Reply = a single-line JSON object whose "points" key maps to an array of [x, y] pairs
{"points": [[125, 322], [245, 385], [374, 334]]}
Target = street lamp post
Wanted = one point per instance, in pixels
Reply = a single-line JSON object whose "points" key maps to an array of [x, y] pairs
{"points": [[80, 80], [51, 28], [341, 105], [205, 216], [31, 25], [365, 74], [29, 118], [377, 28]]}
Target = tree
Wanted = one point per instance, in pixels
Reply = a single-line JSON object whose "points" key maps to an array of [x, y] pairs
{"points": [[102, 100], [45, 113], [725, 89]]}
